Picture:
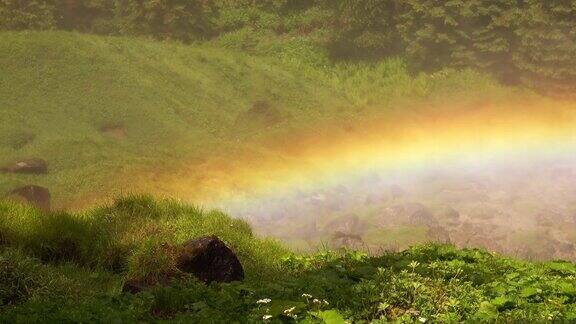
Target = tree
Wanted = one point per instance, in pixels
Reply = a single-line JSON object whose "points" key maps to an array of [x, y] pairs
{"points": [[185, 20], [27, 14]]}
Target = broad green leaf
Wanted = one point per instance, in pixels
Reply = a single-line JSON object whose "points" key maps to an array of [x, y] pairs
{"points": [[330, 317], [530, 291]]}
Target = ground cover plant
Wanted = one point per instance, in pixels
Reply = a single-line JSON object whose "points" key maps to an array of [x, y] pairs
{"points": [[70, 267]]}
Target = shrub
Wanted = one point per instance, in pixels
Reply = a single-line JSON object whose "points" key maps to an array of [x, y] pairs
{"points": [[96, 16], [27, 14], [185, 20]]}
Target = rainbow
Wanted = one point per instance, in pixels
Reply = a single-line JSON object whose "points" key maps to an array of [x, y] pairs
{"points": [[403, 143], [390, 144]]}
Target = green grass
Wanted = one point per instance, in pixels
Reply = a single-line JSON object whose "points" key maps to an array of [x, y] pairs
{"points": [[175, 102], [71, 267], [178, 104]]}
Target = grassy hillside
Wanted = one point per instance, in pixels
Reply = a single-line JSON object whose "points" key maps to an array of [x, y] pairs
{"points": [[111, 114], [70, 267], [61, 92]]}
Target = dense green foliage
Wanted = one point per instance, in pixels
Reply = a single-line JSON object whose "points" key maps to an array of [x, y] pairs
{"points": [[70, 267], [184, 20], [22, 15], [521, 42]]}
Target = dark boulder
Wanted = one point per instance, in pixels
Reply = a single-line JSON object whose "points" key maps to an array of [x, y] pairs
{"points": [[27, 166], [349, 223], [35, 195], [114, 130], [411, 214], [134, 286], [206, 258], [448, 216], [262, 114], [210, 260]]}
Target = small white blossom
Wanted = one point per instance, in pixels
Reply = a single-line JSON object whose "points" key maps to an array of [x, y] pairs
{"points": [[316, 301], [414, 264], [264, 301], [325, 302], [306, 295], [289, 310], [266, 317], [422, 319]]}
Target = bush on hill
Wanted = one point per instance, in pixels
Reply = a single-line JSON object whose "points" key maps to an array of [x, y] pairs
{"points": [[185, 20], [530, 43], [27, 15]]}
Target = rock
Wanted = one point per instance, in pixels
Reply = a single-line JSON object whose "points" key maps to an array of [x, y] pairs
{"points": [[262, 114], [448, 216], [114, 130], [27, 166], [206, 258], [346, 224], [412, 214], [210, 260], [35, 195]]}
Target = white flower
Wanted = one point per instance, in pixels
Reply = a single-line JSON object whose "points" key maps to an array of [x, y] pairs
{"points": [[264, 301], [325, 302], [289, 310], [316, 301], [306, 295], [414, 264], [422, 319], [266, 317]]}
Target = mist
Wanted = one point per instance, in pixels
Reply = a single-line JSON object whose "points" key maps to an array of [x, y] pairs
{"points": [[523, 206]]}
